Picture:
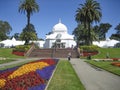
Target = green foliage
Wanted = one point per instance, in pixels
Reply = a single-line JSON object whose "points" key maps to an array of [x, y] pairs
{"points": [[89, 12], [28, 6], [92, 48], [28, 34], [101, 30], [16, 36], [5, 29], [80, 34], [7, 53], [117, 28], [22, 48], [115, 36], [65, 78]]}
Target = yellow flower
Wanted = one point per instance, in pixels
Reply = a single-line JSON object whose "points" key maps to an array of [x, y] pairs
{"points": [[2, 83], [27, 68]]}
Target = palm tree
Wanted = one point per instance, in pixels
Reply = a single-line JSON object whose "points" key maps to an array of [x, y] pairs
{"points": [[28, 6], [89, 12]]}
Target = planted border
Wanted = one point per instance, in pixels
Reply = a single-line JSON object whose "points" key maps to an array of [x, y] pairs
{"points": [[31, 76]]}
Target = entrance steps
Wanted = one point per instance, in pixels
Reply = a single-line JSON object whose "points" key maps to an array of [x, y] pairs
{"points": [[54, 53]]}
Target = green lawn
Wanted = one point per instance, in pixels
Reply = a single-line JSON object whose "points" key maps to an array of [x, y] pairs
{"points": [[14, 65], [7, 53], [106, 65], [113, 53], [65, 78], [6, 61]]}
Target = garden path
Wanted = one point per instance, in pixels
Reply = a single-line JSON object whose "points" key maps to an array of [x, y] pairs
{"points": [[95, 78]]}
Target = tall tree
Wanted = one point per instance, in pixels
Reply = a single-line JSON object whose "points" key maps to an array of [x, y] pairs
{"points": [[5, 29], [28, 34], [102, 29], [16, 36], [117, 28], [89, 12], [80, 34], [116, 36], [28, 7]]}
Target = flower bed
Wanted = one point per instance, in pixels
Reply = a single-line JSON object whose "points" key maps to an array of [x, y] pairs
{"points": [[115, 59], [18, 53], [86, 54], [31, 76], [116, 64]]}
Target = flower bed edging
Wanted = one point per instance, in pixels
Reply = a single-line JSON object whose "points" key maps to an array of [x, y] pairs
{"points": [[116, 64], [18, 53]]}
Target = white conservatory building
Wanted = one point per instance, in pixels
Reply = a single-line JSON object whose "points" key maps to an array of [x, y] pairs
{"points": [[59, 37]]}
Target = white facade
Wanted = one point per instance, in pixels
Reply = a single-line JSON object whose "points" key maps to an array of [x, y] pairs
{"points": [[59, 37]]}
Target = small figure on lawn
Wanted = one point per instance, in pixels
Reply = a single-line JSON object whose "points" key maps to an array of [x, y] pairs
{"points": [[69, 56], [107, 55]]}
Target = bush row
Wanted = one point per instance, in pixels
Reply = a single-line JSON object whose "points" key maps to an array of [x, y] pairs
{"points": [[21, 48], [92, 48]]}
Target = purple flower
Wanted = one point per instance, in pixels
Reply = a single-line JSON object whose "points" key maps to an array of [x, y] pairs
{"points": [[40, 87], [46, 72]]}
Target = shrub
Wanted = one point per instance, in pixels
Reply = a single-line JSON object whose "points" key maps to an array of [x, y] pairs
{"points": [[92, 48], [22, 48]]}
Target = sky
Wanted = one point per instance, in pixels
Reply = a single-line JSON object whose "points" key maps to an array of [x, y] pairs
{"points": [[50, 11]]}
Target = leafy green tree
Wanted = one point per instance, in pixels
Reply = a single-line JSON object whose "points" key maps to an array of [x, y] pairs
{"points": [[28, 34], [5, 29], [117, 28], [89, 12], [117, 35], [80, 34], [28, 7], [101, 30], [16, 36]]}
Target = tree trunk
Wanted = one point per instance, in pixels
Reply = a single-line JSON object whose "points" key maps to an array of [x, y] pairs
{"points": [[89, 35], [28, 18], [26, 42]]}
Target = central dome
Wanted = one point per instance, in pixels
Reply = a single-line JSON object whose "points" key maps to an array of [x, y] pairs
{"points": [[59, 27]]}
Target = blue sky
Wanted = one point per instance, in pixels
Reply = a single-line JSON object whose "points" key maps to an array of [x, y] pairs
{"points": [[50, 12]]}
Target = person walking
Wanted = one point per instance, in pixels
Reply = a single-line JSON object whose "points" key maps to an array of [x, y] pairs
{"points": [[69, 56]]}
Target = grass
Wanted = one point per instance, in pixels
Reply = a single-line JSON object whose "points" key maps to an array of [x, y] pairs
{"points": [[7, 53], [14, 65], [106, 65], [113, 53], [6, 61], [65, 78]]}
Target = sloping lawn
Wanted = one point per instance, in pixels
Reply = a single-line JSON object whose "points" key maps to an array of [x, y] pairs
{"points": [[106, 65], [65, 78], [7, 53], [113, 53]]}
